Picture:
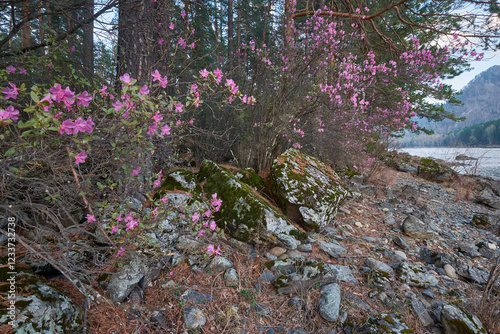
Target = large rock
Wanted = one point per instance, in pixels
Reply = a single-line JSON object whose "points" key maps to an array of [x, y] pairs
{"points": [[457, 321], [434, 171], [39, 307], [308, 191], [415, 228], [385, 323], [122, 283], [329, 302], [246, 215]]}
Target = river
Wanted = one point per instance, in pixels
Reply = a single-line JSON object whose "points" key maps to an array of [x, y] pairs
{"points": [[487, 163]]}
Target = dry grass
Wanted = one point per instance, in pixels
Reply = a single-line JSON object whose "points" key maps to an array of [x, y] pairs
{"points": [[488, 307]]}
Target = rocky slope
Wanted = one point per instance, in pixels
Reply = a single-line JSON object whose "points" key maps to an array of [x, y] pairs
{"points": [[404, 254]]}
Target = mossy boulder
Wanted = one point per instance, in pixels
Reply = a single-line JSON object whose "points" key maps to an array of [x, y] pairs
{"points": [[392, 323], [38, 307], [249, 176], [245, 214], [307, 190], [457, 321], [434, 171]]}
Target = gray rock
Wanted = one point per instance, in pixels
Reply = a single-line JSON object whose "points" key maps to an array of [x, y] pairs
{"points": [[468, 249], [450, 271], [415, 228], [401, 242], [248, 216], [295, 302], [277, 251], [306, 189], [456, 321], [351, 297], [295, 254], [267, 276], [122, 283], [40, 308], [415, 276], [385, 323], [196, 296], [187, 244], [307, 248], [341, 273], [218, 264], [427, 293], [298, 330], [379, 266], [193, 317], [422, 314], [333, 249], [329, 302], [231, 278]]}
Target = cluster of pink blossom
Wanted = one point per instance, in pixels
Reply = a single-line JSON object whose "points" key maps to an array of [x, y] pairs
{"points": [[79, 125], [9, 113]]}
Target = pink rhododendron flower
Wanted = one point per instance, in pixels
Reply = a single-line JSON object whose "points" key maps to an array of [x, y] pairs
{"points": [[164, 199], [103, 90], [132, 224], [144, 90], [163, 82], [136, 171], [204, 73], [157, 183], [11, 69], [67, 127], [90, 218], [80, 158], [194, 88], [179, 122], [213, 225], [84, 99], [126, 78], [207, 213], [119, 218], [11, 93], [157, 118], [171, 26], [125, 114], [48, 99], [114, 229], [195, 217], [210, 249], [9, 113], [178, 107], [200, 233], [120, 252], [218, 73], [152, 129], [22, 70], [218, 251], [156, 75], [117, 105], [165, 130], [154, 212]]}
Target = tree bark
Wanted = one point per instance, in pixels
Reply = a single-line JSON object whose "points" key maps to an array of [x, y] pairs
{"points": [[230, 32], [88, 40], [26, 29]]}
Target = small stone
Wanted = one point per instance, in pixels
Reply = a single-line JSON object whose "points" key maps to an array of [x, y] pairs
{"points": [[271, 257], [401, 242], [415, 228], [358, 224], [427, 293], [307, 248], [218, 264], [492, 246], [267, 276], [193, 317], [295, 302], [261, 310], [277, 251], [295, 254], [196, 296], [231, 278], [333, 249], [450, 271]]}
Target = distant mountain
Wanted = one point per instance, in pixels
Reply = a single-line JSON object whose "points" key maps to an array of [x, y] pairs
{"points": [[481, 103]]}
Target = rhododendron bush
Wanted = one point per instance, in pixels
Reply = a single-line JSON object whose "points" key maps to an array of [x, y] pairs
{"points": [[75, 162]]}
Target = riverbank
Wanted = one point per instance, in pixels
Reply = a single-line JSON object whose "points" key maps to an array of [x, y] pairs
{"points": [[401, 253]]}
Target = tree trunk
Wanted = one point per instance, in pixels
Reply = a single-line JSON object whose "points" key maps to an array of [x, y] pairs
{"points": [[41, 27], [26, 29], [88, 40], [230, 33]]}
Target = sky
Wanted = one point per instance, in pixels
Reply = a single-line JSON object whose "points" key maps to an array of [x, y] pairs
{"points": [[490, 59]]}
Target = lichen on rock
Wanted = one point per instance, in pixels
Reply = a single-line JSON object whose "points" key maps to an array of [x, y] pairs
{"points": [[308, 191], [245, 214]]}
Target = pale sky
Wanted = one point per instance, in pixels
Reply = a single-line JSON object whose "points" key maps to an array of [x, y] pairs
{"points": [[490, 59]]}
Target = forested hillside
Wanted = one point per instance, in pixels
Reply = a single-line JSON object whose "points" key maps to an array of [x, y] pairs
{"points": [[480, 103]]}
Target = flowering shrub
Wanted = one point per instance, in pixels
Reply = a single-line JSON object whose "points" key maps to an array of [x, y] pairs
{"points": [[71, 159]]}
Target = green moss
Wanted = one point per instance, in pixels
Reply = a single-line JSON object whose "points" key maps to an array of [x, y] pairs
{"points": [[479, 220], [170, 183]]}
